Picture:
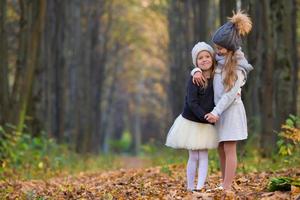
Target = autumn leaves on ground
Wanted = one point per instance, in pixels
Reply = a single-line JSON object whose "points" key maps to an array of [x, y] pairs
{"points": [[161, 182]]}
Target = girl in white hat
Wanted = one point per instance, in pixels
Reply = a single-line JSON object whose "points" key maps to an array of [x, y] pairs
{"points": [[191, 130]]}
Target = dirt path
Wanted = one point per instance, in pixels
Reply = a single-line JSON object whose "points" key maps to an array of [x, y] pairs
{"points": [[131, 162], [150, 183]]}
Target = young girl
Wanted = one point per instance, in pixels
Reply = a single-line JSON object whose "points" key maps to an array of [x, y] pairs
{"points": [[191, 130], [230, 75]]}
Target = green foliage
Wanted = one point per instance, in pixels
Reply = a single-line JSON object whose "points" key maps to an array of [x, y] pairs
{"points": [[289, 139], [213, 161], [22, 152], [123, 144], [250, 158], [164, 156], [8, 141], [249, 154], [283, 184], [285, 149], [26, 157], [288, 150], [165, 169]]}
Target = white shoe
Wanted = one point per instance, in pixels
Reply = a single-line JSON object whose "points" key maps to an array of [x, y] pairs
{"points": [[219, 188], [198, 189]]}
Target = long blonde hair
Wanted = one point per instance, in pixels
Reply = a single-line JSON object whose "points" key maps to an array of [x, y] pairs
{"points": [[243, 25], [230, 70]]}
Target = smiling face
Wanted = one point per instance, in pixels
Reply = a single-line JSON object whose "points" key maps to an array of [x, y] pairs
{"points": [[221, 51], [204, 60]]}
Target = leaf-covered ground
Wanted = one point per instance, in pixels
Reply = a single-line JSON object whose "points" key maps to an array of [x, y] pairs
{"points": [[166, 182]]}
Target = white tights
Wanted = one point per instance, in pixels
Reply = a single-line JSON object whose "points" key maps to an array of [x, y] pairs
{"points": [[195, 157]]}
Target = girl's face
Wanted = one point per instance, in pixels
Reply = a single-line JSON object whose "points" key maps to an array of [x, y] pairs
{"points": [[221, 51], [204, 60]]}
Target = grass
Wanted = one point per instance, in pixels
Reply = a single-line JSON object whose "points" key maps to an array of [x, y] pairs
{"points": [[42, 158], [249, 158], [71, 165]]}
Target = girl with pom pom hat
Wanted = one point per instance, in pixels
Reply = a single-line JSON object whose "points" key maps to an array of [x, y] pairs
{"points": [[230, 75]]}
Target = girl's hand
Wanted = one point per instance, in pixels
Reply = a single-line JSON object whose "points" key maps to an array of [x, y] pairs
{"points": [[199, 79], [211, 118]]}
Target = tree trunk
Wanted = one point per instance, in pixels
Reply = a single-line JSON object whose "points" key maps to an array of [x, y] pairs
{"points": [[137, 114], [294, 51], [4, 90], [201, 15], [72, 55], [97, 66], [267, 135], [253, 49], [179, 54], [21, 61], [286, 61], [37, 12], [226, 8]]}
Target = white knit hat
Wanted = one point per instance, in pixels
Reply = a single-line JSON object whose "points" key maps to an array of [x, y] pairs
{"points": [[200, 46]]}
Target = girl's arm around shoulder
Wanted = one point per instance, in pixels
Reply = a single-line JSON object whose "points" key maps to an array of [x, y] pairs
{"points": [[198, 77], [196, 69], [228, 97]]}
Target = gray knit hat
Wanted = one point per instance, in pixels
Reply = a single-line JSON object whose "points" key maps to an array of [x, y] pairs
{"points": [[200, 46], [229, 35]]}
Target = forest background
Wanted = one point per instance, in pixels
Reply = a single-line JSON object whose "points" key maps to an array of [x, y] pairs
{"points": [[87, 85]]}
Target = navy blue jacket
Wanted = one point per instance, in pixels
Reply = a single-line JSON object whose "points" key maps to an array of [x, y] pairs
{"points": [[198, 101]]}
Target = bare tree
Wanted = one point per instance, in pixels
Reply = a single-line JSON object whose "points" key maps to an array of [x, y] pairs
{"points": [[226, 8], [36, 20], [4, 91]]}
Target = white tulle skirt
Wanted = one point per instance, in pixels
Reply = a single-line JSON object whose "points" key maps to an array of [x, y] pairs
{"points": [[187, 134]]}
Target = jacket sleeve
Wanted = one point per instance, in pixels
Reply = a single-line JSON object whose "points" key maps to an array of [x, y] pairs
{"points": [[228, 97], [196, 69], [192, 100]]}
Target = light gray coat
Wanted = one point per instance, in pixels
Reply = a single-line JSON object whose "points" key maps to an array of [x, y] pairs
{"points": [[232, 125]]}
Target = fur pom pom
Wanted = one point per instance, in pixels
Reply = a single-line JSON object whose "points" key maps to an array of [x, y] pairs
{"points": [[242, 21]]}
